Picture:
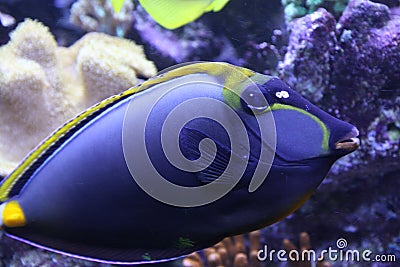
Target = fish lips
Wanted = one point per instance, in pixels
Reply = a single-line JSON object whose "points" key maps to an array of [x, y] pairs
{"points": [[343, 136], [349, 142], [344, 142]]}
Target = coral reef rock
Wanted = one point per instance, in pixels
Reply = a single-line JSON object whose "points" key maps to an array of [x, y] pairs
{"points": [[298, 8], [367, 66], [311, 45], [358, 61], [43, 85], [353, 63]]}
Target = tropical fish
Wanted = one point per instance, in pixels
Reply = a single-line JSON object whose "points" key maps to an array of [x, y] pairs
{"points": [[173, 14], [258, 150]]}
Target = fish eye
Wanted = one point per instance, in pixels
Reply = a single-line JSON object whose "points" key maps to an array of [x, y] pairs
{"points": [[252, 98]]}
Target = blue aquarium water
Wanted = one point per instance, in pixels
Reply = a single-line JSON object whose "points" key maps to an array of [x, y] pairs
{"points": [[285, 184]]}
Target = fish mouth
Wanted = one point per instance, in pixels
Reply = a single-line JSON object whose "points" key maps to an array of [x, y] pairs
{"points": [[349, 142]]}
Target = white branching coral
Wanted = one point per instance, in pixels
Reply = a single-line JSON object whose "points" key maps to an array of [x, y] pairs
{"points": [[99, 15]]}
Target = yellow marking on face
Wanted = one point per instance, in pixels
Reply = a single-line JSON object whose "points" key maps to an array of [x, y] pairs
{"points": [[235, 83], [326, 133]]}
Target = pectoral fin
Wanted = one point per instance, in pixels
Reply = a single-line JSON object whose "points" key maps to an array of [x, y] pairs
{"points": [[216, 171]]}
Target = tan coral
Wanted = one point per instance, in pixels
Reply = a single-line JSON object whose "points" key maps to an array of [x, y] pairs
{"points": [[305, 244], [32, 41], [117, 61], [42, 85], [29, 89], [231, 251]]}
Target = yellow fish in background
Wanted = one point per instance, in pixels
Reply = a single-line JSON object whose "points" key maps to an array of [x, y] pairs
{"points": [[117, 5], [173, 14]]}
